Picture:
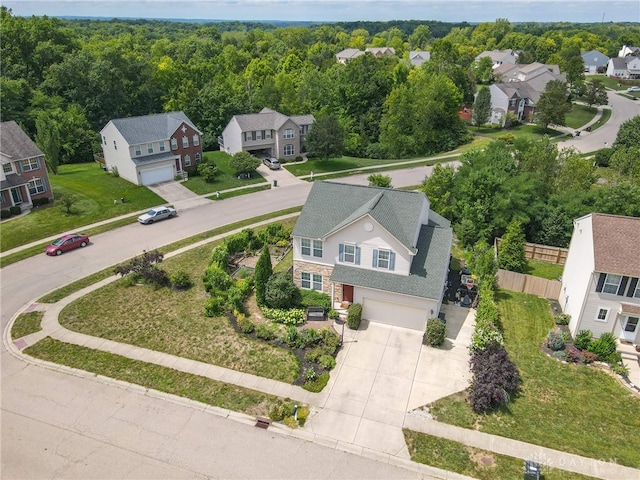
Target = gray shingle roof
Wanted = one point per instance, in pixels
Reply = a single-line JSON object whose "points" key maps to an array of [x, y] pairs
{"points": [[151, 128], [269, 119], [157, 157], [615, 247], [12, 180], [16, 144], [330, 206], [428, 268]]}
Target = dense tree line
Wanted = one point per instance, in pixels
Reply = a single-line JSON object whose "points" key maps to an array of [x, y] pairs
{"points": [[73, 76]]}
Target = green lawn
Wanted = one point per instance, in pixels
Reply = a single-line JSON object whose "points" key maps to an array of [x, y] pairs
{"points": [[573, 408], [225, 178], [580, 115], [200, 389], [95, 191], [604, 118], [528, 131], [550, 271], [615, 84], [173, 322], [470, 461], [26, 323]]}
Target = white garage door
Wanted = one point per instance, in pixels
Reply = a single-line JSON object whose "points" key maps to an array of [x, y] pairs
{"points": [[396, 314], [149, 176]]}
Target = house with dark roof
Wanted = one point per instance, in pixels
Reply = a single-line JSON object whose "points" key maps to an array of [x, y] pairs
{"points": [[594, 61], [152, 148], [601, 277], [267, 133], [382, 248], [625, 67], [24, 178]]}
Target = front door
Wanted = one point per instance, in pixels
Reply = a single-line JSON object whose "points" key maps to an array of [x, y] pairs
{"points": [[347, 293], [178, 166], [16, 194], [630, 328]]}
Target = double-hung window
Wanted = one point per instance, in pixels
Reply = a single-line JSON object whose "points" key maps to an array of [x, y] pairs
{"points": [[310, 247], [174, 144], [7, 168], [196, 140], [384, 259], [611, 283], [311, 281], [187, 160], [288, 133], [138, 150], [149, 147], [30, 164], [289, 150], [185, 142], [349, 253], [161, 146], [37, 185]]}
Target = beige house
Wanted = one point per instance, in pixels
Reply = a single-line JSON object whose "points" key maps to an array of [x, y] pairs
{"points": [[382, 248], [601, 278], [267, 133]]}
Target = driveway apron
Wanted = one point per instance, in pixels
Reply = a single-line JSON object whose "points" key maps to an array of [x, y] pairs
{"points": [[382, 373], [176, 194]]}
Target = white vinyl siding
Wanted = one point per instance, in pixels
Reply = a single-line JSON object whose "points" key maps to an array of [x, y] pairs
{"points": [[349, 254], [602, 315], [384, 259], [310, 247]]}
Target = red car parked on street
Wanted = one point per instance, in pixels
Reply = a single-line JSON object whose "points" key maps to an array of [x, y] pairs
{"points": [[66, 243]]}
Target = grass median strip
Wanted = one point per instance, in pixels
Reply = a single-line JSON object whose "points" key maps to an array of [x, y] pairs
{"points": [[25, 324], [164, 379], [473, 462]]}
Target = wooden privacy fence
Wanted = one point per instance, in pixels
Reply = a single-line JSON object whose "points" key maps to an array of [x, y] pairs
{"points": [[520, 282], [546, 253]]}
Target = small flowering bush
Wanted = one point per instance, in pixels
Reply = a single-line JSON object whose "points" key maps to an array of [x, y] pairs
{"points": [[293, 316], [555, 341], [574, 354], [485, 335], [562, 319], [589, 357]]}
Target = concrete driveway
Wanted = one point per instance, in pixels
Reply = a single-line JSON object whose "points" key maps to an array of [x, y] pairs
{"points": [[178, 195], [382, 373]]}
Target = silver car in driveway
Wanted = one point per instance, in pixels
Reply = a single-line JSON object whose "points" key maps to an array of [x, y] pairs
{"points": [[155, 214]]}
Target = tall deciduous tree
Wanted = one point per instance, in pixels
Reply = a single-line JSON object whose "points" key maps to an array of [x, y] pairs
{"points": [[482, 107], [263, 272], [511, 249], [595, 93], [628, 134], [326, 138], [553, 105], [438, 187], [49, 141]]}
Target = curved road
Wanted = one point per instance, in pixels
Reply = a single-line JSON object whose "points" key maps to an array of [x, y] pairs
{"points": [[56, 425]]}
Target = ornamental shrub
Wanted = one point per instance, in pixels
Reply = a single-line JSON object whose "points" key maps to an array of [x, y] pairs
{"points": [[220, 257], [262, 275], [318, 384], [15, 210], [588, 357], [495, 379], [308, 337], [573, 354], [292, 316], [604, 346], [314, 354], [484, 336], [583, 339], [620, 369], [265, 332], [562, 319], [314, 298], [333, 314], [560, 355], [214, 306], [246, 325], [303, 414], [327, 362], [216, 280], [487, 311], [236, 243], [280, 291], [310, 374], [555, 341], [5, 213], [291, 336], [434, 334], [354, 316], [207, 171], [329, 340], [181, 279]]}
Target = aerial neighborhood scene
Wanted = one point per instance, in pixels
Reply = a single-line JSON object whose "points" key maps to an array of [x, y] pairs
{"points": [[359, 240]]}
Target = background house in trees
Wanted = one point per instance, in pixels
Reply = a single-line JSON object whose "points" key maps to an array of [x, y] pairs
{"points": [[152, 148], [600, 282], [627, 50], [24, 178], [626, 67], [379, 247], [417, 58], [499, 57], [348, 54], [594, 61], [381, 51], [267, 133]]}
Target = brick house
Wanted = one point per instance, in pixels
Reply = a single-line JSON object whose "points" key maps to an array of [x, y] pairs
{"points": [[152, 148], [379, 247], [24, 176]]}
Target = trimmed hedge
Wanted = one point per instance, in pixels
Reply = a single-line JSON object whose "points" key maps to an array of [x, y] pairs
{"points": [[434, 334], [354, 316]]}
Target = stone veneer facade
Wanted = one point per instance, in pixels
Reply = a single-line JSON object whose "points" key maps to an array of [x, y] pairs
{"points": [[307, 267]]}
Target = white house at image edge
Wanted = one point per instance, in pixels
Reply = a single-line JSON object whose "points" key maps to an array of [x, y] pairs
{"points": [[379, 247], [600, 286], [152, 148]]}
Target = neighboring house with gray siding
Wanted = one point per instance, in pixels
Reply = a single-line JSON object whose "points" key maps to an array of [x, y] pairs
{"points": [[594, 61], [267, 133], [379, 247], [600, 282], [24, 177], [626, 67], [152, 148]]}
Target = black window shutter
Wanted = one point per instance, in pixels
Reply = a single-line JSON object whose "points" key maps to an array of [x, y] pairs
{"points": [[600, 282], [623, 285], [632, 287]]}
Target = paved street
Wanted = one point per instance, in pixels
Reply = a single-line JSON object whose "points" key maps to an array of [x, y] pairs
{"points": [[59, 426]]}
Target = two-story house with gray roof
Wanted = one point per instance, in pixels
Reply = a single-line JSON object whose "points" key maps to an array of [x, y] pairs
{"points": [[601, 278], [594, 61], [152, 148], [24, 177], [267, 133], [379, 247]]}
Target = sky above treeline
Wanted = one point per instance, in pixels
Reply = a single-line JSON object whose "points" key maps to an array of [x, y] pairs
{"points": [[472, 11]]}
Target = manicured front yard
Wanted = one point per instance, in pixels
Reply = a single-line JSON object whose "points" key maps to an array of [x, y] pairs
{"points": [[572, 408], [95, 191], [580, 115], [225, 178], [528, 131], [173, 322]]}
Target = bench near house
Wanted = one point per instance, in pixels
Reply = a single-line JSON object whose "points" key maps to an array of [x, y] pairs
{"points": [[379, 247]]}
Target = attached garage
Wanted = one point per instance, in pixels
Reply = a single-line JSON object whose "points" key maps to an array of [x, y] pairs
{"points": [[150, 176], [397, 314]]}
